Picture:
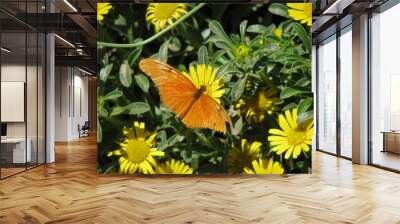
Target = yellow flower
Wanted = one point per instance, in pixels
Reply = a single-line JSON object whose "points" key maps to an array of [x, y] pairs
{"points": [[163, 14], [173, 167], [265, 166], [206, 76], [137, 151], [102, 9], [254, 108], [242, 51], [238, 159], [301, 12], [278, 32], [291, 138]]}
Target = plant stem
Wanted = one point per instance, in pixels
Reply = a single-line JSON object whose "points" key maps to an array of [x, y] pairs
{"points": [[155, 36]]}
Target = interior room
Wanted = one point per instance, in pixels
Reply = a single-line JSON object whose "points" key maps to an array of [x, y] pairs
{"points": [[336, 85], [42, 77], [22, 96], [52, 120]]}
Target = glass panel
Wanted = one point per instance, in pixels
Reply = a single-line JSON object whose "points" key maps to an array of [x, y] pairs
{"points": [[41, 99], [32, 88], [23, 88], [346, 94], [327, 96], [13, 86], [385, 84], [32, 96]]}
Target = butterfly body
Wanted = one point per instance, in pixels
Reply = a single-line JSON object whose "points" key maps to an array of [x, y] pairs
{"points": [[194, 106]]}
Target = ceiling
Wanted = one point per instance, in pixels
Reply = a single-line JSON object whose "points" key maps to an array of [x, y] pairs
{"points": [[74, 22], [332, 15]]}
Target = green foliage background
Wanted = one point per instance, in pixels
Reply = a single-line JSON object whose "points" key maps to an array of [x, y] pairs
{"points": [[212, 36]]}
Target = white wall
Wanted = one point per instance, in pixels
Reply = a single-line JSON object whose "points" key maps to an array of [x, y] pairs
{"points": [[16, 73], [71, 102], [33, 127]]}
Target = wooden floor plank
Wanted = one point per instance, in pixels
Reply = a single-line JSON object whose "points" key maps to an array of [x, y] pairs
{"points": [[70, 191]]}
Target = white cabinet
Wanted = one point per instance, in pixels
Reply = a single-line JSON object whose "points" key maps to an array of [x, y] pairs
{"points": [[19, 155]]}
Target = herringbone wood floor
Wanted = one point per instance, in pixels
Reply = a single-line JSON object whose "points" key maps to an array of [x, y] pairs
{"points": [[70, 191]]}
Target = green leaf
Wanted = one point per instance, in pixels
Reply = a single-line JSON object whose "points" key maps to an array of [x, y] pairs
{"points": [[125, 74], [120, 21], [203, 55], [102, 112], [162, 143], [143, 82], [238, 89], [279, 9], [117, 110], [242, 28], [111, 169], [219, 31], [105, 71], [194, 162], [304, 35], [163, 52], [99, 131], [115, 94], [257, 28], [289, 92], [217, 56], [227, 69], [173, 139], [238, 126], [175, 44], [134, 55], [137, 108], [304, 105], [289, 106], [304, 119], [303, 82], [299, 164], [203, 139], [223, 45]]}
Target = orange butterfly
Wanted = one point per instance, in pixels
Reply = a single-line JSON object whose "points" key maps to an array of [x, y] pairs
{"points": [[194, 98]]}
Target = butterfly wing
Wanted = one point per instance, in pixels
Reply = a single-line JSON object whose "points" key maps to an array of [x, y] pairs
{"points": [[207, 113], [176, 91]]}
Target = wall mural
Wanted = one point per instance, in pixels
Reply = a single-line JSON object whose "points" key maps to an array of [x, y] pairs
{"points": [[189, 88]]}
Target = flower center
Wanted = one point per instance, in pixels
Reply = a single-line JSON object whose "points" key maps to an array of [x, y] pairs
{"points": [[137, 150], [296, 137], [165, 10]]}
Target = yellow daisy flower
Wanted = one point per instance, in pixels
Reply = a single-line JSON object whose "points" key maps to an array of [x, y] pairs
{"points": [[102, 9], [137, 151], [291, 138], [206, 76], [163, 14], [301, 12], [238, 159], [265, 166], [254, 108], [278, 32], [173, 167]]}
